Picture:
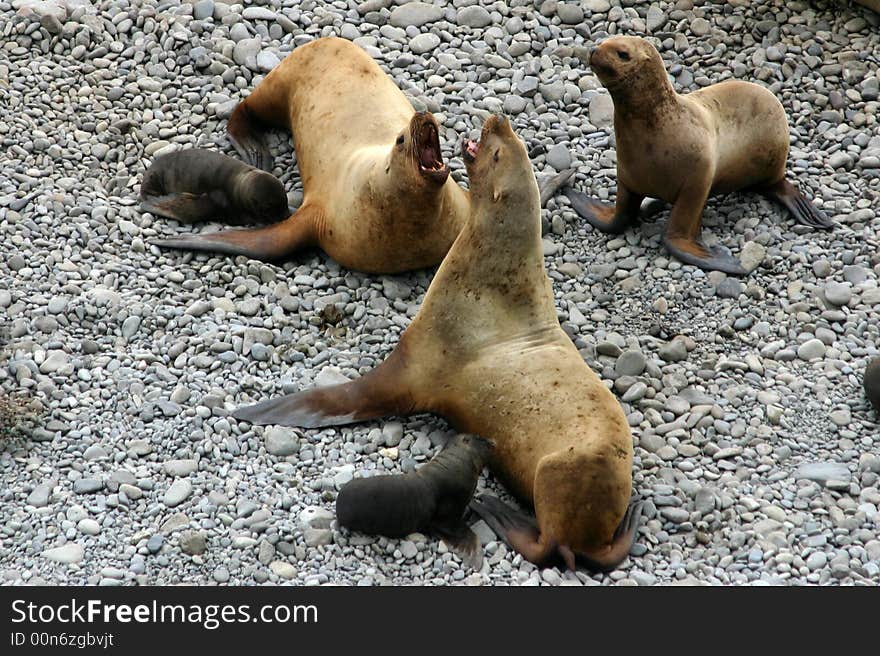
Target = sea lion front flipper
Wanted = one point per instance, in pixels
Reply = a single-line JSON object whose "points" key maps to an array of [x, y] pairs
{"points": [[464, 543], [550, 185], [380, 392], [607, 558], [801, 208], [682, 237], [271, 242], [245, 132], [186, 207], [710, 258], [607, 217]]}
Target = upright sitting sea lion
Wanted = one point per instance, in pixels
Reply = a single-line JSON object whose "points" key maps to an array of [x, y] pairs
{"points": [[202, 185], [377, 196], [684, 148], [487, 352], [433, 499]]}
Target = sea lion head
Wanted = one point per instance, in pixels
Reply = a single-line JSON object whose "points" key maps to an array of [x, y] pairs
{"points": [[478, 448], [263, 195], [416, 152], [624, 60], [499, 169]]}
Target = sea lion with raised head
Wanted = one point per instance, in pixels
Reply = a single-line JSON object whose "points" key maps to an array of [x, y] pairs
{"points": [[377, 196], [486, 351], [432, 499], [684, 148], [202, 185]]}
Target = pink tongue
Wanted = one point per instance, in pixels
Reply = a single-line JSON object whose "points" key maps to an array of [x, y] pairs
{"points": [[473, 147]]}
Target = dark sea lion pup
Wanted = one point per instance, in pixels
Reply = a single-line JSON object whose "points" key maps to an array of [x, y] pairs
{"points": [[684, 148], [432, 499], [486, 351], [202, 185], [871, 383]]}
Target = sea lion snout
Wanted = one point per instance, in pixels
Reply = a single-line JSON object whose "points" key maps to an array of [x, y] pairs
{"points": [[479, 446], [497, 124], [616, 58]]}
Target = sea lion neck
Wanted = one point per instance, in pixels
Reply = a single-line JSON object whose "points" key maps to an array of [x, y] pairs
{"points": [[642, 95]]}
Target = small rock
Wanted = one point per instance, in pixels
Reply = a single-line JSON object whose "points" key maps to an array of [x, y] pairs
{"points": [[193, 543], [674, 351], [281, 442], [630, 363], [67, 554], [812, 349], [283, 569], [177, 493]]}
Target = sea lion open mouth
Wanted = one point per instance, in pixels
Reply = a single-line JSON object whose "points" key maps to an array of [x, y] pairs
{"points": [[469, 150], [428, 153]]}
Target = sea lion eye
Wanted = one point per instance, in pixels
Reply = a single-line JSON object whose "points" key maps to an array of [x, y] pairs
{"points": [[623, 54], [400, 140], [496, 155]]}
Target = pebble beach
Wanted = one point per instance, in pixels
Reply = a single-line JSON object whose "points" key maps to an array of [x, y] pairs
{"points": [[756, 452]]}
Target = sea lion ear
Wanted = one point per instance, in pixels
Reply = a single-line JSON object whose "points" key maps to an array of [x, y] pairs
{"points": [[496, 195]]}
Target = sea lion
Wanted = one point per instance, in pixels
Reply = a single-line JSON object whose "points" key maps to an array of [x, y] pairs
{"points": [[486, 351], [433, 499], [684, 148], [377, 196], [202, 185], [871, 383]]}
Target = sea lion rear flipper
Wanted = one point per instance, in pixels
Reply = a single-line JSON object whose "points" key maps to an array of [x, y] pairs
{"points": [[799, 205], [607, 558], [516, 528], [271, 242], [550, 185], [378, 393], [464, 543], [186, 207], [607, 217]]}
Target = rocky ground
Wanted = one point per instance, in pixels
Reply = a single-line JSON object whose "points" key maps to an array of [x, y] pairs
{"points": [[756, 452]]}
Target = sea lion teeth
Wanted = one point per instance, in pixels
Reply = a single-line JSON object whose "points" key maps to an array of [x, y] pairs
{"points": [[684, 148], [486, 351]]}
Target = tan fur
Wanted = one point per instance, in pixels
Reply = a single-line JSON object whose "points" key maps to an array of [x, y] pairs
{"points": [[491, 356], [377, 213], [685, 148], [734, 134]]}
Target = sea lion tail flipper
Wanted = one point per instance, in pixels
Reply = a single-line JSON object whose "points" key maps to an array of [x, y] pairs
{"points": [[271, 242], [184, 206], [516, 528], [612, 218], [464, 543], [799, 205], [551, 184], [609, 557], [378, 393]]}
